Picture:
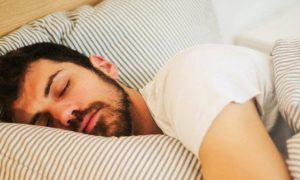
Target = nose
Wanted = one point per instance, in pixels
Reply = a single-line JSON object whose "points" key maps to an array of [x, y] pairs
{"points": [[62, 112]]}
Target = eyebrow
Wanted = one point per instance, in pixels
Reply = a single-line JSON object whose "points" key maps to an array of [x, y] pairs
{"points": [[49, 83], [46, 93]]}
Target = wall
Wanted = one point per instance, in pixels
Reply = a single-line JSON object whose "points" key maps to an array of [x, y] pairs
{"points": [[235, 16]]}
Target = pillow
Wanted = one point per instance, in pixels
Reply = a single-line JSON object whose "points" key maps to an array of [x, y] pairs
{"points": [[35, 152], [293, 161], [139, 37], [286, 60]]}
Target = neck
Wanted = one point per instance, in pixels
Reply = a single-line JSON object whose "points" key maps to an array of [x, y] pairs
{"points": [[142, 120]]}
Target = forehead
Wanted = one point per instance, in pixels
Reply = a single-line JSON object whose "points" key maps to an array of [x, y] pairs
{"points": [[34, 83], [38, 72]]}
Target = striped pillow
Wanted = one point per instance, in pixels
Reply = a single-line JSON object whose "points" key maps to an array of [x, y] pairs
{"points": [[286, 60], [34, 152], [138, 36], [293, 161]]}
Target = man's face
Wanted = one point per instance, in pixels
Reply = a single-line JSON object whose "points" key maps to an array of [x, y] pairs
{"points": [[68, 96]]}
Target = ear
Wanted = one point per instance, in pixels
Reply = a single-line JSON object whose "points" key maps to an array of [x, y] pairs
{"points": [[105, 66]]}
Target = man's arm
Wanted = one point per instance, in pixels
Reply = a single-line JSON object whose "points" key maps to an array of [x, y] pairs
{"points": [[237, 146]]}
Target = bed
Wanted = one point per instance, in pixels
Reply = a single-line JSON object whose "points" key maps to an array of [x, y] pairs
{"points": [[135, 35], [138, 36]]}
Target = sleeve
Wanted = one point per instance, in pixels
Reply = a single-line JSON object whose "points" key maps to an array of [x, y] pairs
{"points": [[199, 86]]}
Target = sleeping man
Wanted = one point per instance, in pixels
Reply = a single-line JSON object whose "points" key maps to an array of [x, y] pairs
{"points": [[217, 100]]}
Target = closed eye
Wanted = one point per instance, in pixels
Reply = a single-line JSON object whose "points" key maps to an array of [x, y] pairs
{"points": [[64, 89]]}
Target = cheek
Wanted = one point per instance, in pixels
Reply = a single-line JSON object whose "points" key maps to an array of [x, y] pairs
{"points": [[81, 96], [85, 93], [91, 90]]}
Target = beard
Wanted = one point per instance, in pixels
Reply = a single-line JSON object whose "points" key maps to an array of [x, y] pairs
{"points": [[113, 121]]}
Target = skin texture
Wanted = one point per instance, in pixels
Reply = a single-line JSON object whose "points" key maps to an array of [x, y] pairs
{"points": [[115, 117], [236, 146]]}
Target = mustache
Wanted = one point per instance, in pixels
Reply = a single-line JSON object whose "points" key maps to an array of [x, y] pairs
{"points": [[79, 115]]}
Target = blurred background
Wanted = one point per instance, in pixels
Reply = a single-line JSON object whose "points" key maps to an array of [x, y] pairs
{"points": [[257, 23]]}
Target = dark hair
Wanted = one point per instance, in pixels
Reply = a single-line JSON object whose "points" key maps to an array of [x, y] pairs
{"points": [[14, 64]]}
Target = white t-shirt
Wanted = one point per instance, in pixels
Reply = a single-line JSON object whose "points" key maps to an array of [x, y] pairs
{"points": [[196, 84]]}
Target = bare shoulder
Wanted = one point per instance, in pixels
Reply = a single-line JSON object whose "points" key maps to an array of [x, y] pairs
{"points": [[237, 146]]}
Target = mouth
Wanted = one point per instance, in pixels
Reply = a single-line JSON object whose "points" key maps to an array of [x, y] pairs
{"points": [[89, 121]]}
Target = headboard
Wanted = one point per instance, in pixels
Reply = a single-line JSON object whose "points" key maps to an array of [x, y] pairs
{"points": [[14, 13]]}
